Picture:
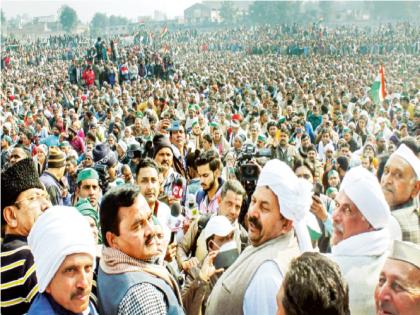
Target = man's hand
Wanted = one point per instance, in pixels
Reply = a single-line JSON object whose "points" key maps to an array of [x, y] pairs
{"points": [[207, 269], [318, 208], [170, 252], [188, 264]]}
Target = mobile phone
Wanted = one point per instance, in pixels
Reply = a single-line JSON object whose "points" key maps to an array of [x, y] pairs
{"points": [[172, 239], [317, 189]]}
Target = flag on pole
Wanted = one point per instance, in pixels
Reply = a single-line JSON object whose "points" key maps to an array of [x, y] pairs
{"points": [[378, 87], [164, 31]]}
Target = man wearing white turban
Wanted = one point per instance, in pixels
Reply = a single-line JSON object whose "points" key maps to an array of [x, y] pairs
{"points": [[64, 251], [360, 236], [401, 186], [279, 204]]}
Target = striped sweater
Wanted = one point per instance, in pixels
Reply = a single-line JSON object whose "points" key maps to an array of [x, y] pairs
{"points": [[19, 285]]}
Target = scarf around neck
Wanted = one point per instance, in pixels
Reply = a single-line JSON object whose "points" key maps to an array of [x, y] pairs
{"points": [[374, 243], [114, 261]]}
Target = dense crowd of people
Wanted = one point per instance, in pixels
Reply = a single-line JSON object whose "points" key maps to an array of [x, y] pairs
{"points": [[237, 171]]}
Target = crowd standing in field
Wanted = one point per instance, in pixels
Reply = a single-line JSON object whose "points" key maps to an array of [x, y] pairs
{"points": [[261, 170]]}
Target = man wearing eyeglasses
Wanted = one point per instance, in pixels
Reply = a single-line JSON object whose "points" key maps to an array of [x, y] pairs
{"points": [[23, 199], [360, 236]]}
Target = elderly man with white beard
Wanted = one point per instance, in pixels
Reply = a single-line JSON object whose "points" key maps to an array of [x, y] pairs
{"points": [[361, 236]]}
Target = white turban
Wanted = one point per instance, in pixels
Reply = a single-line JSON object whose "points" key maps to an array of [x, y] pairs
{"points": [[330, 147], [363, 188], [294, 195], [60, 231], [408, 155]]}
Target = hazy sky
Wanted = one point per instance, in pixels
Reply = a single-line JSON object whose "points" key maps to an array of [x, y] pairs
{"points": [[87, 8]]}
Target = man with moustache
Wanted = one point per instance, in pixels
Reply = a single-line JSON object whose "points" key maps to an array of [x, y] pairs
{"points": [[401, 186], [278, 205], [397, 290], [209, 169], [75, 141], [148, 182], [164, 157], [360, 236], [129, 282], [284, 151], [192, 250], [64, 270], [179, 149]]}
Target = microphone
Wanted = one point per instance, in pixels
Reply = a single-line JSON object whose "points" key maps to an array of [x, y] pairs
{"points": [[176, 209], [177, 190]]}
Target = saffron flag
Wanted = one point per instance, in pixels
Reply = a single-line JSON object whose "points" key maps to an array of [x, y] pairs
{"points": [[378, 87]]}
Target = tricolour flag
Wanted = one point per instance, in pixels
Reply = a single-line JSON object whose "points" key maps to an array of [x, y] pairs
{"points": [[164, 31], [378, 87]]}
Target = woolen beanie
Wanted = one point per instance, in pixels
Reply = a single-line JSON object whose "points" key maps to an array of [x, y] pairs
{"points": [[160, 142], [56, 158], [100, 151]]}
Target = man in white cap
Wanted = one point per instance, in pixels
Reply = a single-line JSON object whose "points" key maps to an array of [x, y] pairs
{"points": [[401, 185], [397, 291], [360, 236], [64, 251], [279, 204]]}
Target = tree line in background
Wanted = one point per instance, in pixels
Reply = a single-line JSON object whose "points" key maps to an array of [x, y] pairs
{"points": [[269, 12]]}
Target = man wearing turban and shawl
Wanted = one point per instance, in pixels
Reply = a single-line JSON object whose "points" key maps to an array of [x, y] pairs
{"points": [[361, 236], [276, 214]]}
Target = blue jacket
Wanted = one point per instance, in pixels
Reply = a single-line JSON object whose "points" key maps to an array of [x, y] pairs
{"points": [[44, 304]]}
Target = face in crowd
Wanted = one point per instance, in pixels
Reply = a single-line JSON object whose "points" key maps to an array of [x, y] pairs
{"points": [[72, 283], [347, 219], [265, 221], [398, 182], [136, 231], [164, 158], [397, 291]]}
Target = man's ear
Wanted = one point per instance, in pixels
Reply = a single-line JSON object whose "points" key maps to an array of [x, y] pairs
{"points": [[217, 172], [286, 225], [10, 216], [416, 190], [112, 240]]}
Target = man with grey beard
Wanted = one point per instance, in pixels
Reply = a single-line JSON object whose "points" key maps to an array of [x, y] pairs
{"points": [[361, 236]]}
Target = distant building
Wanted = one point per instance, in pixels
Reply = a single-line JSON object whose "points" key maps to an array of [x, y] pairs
{"points": [[209, 11], [40, 26], [159, 16]]}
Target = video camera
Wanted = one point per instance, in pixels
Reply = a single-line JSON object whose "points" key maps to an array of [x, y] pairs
{"points": [[246, 170]]}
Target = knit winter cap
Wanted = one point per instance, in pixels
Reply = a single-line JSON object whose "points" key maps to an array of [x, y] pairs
{"points": [[56, 158], [103, 155], [160, 142], [16, 179]]}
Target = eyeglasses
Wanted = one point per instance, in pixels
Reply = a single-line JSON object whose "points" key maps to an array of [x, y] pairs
{"points": [[345, 210], [44, 196]]}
